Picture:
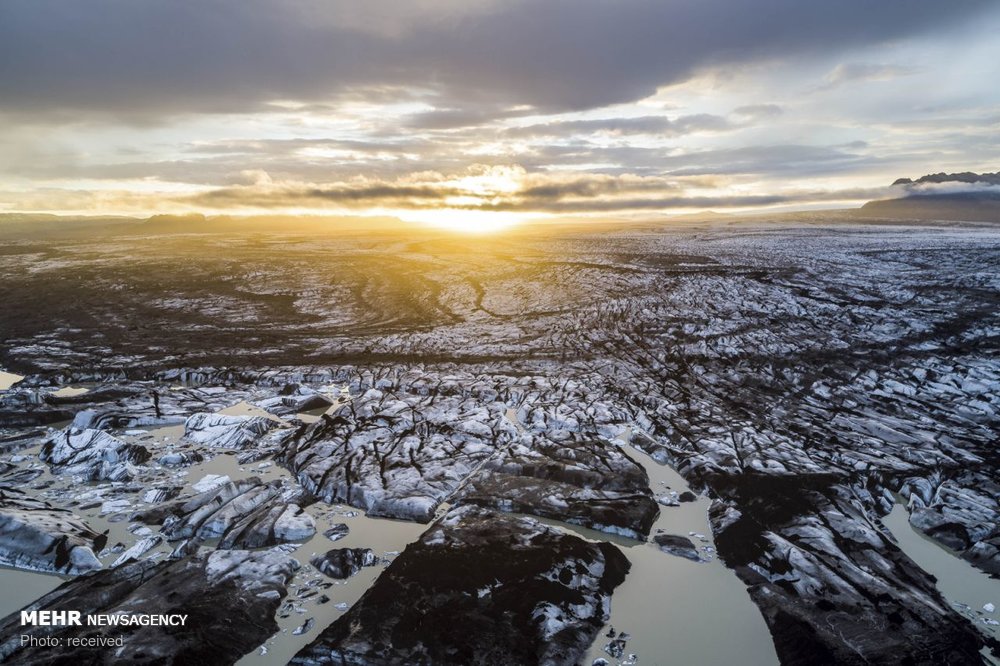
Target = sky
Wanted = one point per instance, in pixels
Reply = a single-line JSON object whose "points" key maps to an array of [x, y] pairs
{"points": [[477, 111]]}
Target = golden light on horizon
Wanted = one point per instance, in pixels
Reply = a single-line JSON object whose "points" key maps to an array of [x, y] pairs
{"points": [[490, 181], [466, 221], [485, 186]]}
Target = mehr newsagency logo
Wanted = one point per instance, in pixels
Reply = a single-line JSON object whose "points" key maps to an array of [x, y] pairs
{"points": [[69, 618]]}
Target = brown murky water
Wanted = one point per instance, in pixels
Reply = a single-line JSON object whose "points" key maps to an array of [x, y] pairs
{"points": [[678, 611], [8, 379]]}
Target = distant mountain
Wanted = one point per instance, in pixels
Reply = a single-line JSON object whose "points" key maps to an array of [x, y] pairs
{"points": [[966, 196], [964, 177], [44, 225], [959, 206], [197, 223]]}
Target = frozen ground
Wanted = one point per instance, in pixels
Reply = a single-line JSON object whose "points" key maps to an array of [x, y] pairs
{"points": [[803, 380]]}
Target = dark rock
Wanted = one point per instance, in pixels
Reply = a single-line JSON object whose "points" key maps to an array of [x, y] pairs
{"points": [[584, 482], [12, 476], [479, 588], [243, 514], [336, 532], [295, 398], [125, 414], [108, 407], [615, 648], [20, 408], [369, 454], [141, 547], [959, 512], [807, 548], [985, 555], [253, 455], [160, 494], [343, 563], [981, 205], [38, 536], [92, 454], [217, 592], [227, 432], [292, 524], [681, 546], [304, 627]]}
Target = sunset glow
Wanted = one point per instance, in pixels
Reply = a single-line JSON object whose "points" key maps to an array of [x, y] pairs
{"points": [[388, 108]]}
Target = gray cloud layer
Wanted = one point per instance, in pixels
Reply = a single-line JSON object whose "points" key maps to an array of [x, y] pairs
{"points": [[581, 193], [143, 59]]}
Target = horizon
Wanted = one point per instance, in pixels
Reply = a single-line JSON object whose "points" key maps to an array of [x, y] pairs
{"points": [[481, 115]]}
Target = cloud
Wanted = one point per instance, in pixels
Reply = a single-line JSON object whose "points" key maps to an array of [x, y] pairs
{"points": [[856, 72], [145, 60], [938, 184], [341, 105], [338, 196], [771, 160], [648, 204], [777, 160], [456, 118], [474, 187], [660, 125], [502, 189], [758, 112]]}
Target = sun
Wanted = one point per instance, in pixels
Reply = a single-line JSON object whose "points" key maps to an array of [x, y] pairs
{"points": [[463, 220], [490, 181], [469, 206]]}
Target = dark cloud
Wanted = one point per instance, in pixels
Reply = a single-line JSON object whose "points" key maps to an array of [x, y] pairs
{"points": [[239, 162], [340, 196], [541, 194], [590, 187], [142, 60], [449, 118], [229, 199], [433, 192]]}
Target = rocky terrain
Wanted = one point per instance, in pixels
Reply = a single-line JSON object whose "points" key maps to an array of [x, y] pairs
{"points": [[217, 591], [458, 596], [807, 377], [36, 535]]}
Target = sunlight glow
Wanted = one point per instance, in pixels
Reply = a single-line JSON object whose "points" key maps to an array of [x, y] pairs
{"points": [[465, 221], [490, 181]]}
